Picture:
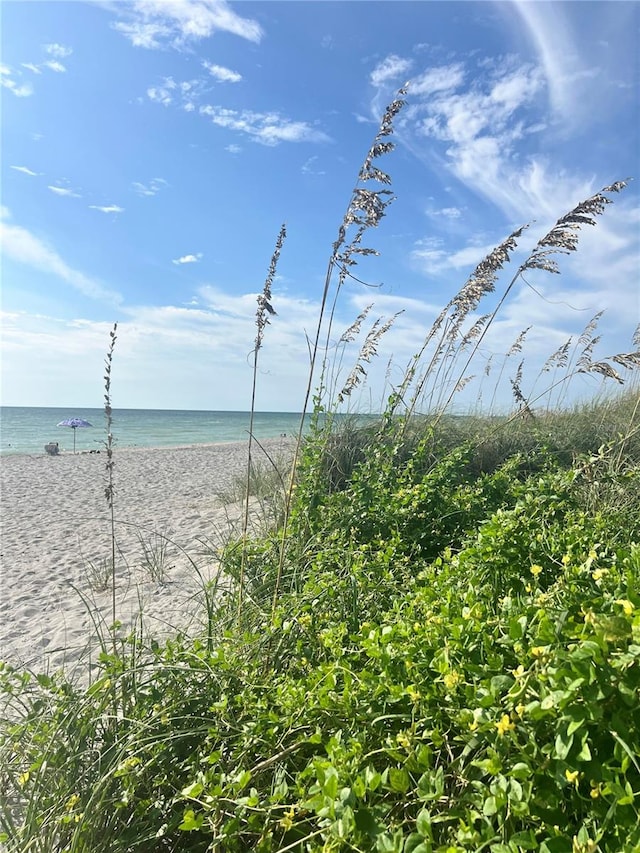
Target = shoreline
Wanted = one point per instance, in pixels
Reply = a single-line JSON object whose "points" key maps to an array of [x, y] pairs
{"points": [[288, 438], [55, 533]]}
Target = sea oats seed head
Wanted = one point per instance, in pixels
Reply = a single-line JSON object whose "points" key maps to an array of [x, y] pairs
{"points": [[516, 346], [563, 237], [604, 369], [628, 360], [265, 308]]}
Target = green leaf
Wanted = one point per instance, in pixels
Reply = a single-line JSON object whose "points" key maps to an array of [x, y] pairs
{"points": [[399, 780], [563, 745], [423, 823], [520, 771], [490, 806], [525, 840], [413, 844], [192, 791], [366, 822], [191, 822]]}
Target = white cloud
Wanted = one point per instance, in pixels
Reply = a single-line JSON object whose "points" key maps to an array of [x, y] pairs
{"points": [[26, 171], [152, 188], [233, 149], [431, 258], [447, 212], [222, 74], [266, 128], [480, 126], [439, 79], [21, 245], [308, 167], [188, 259], [58, 50], [54, 65], [390, 70], [185, 93], [111, 208], [154, 23], [6, 80], [63, 191], [31, 67], [162, 94]]}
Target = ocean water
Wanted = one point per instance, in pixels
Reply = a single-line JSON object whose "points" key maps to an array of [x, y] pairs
{"points": [[28, 429]]}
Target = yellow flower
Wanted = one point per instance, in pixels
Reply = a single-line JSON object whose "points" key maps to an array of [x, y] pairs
{"points": [[535, 570], [566, 560], [520, 709], [626, 605], [598, 574], [452, 679], [72, 802], [539, 651], [589, 617], [404, 739], [572, 776], [519, 672], [504, 725], [595, 790], [413, 693], [286, 822]]}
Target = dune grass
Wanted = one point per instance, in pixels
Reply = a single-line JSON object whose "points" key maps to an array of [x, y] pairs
{"points": [[435, 648]]}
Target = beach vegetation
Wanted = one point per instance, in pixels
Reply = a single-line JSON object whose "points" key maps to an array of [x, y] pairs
{"points": [[436, 647]]}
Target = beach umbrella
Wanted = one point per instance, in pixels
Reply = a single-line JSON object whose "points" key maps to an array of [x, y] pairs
{"points": [[75, 423]]}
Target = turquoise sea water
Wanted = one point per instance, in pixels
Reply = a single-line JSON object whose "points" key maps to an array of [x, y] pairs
{"points": [[28, 429]]}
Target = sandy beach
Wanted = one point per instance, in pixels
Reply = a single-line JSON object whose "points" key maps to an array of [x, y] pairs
{"points": [[55, 539]]}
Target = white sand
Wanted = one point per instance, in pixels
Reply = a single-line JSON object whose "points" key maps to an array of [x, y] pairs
{"points": [[55, 524]]}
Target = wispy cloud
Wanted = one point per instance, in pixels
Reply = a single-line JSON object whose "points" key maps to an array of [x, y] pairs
{"points": [[54, 65], [475, 128], [22, 246], [222, 74], [233, 149], [110, 208], [447, 212], [432, 257], [162, 94], [308, 167], [152, 188], [20, 90], [60, 51], [26, 171], [155, 23], [390, 70], [266, 128], [439, 79], [57, 52], [63, 191], [185, 94], [188, 259]]}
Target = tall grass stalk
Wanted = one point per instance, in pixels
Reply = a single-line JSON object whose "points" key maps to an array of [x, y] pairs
{"points": [[365, 210], [265, 310], [110, 464]]}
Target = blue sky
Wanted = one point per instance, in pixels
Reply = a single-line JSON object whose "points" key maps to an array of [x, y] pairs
{"points": [[151, 151]]}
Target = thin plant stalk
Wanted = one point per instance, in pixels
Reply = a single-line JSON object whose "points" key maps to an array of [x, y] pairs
{"points": [[109, 488], [265, 310], [365, 210]]}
